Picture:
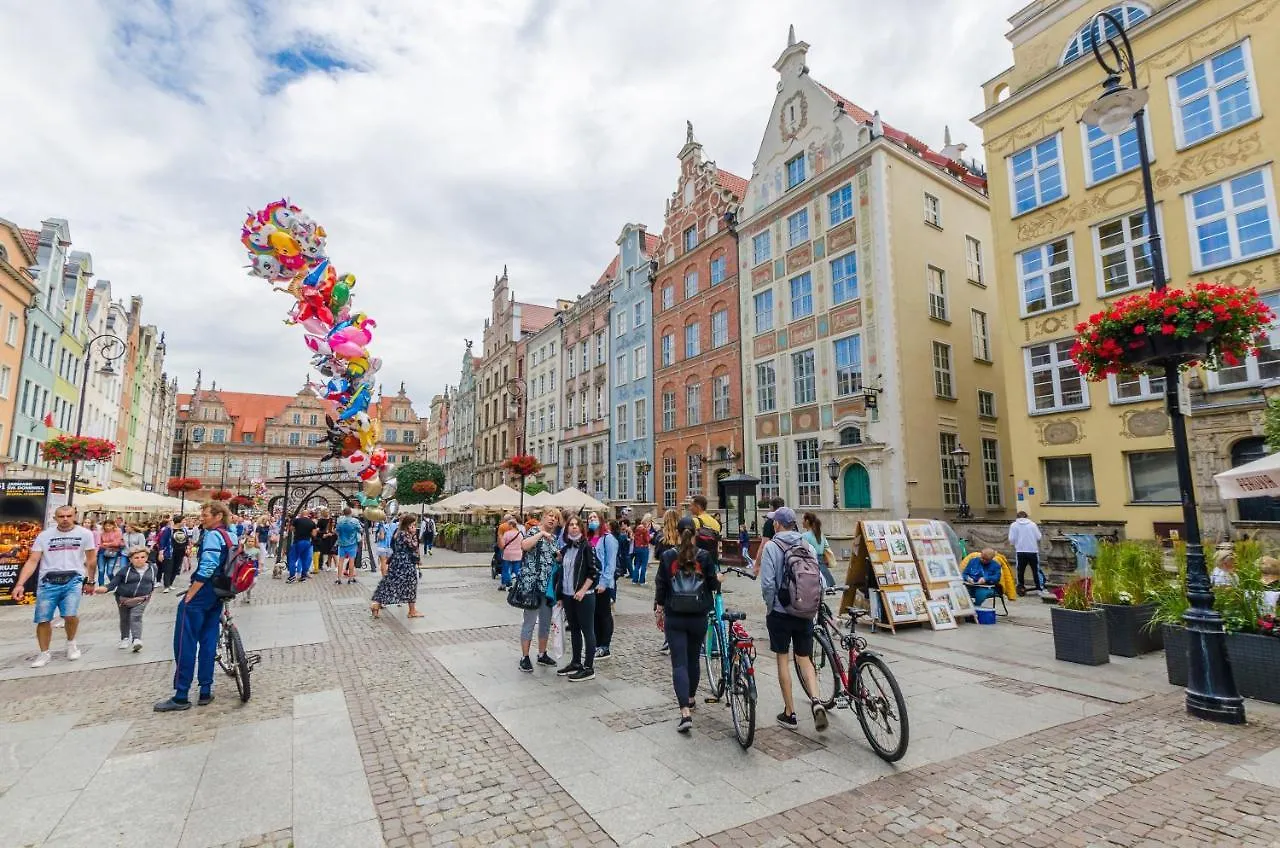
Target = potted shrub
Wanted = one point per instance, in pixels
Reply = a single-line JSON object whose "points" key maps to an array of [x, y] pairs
{"points": [[1171, 604], [1253, 652], [1125, 576], [1079, 629]]}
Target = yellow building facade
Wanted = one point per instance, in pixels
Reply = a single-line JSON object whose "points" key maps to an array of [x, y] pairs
{"points": [[1070, 236]]}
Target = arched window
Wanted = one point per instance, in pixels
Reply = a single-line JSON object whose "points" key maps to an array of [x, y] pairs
{"points": [[850, 436], [1254, 509], [1082, 42]]}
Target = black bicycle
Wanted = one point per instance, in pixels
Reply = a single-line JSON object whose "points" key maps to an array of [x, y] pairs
{"points": [[231, 654], [871, 689]]}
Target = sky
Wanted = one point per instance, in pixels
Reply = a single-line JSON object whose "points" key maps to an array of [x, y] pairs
{"points": [[435, 141]]}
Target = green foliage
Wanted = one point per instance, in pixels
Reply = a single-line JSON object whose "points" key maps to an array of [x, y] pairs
{"points": [[1271, 424], [1128, 572], [414, 472], [1170, 596], [1076, 596], [449, 533], [535, 487], [1240, 601]]}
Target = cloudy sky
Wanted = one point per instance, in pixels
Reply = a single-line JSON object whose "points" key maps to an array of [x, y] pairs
{"points": [[436, 141]]}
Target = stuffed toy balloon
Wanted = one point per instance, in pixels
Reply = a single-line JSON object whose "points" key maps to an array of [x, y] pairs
{"points": [[389, 489], [358, 402], [374, 514], [356, 463], [373, 488]]}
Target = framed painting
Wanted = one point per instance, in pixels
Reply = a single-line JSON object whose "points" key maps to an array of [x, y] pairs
{"points": [[940, 617]]}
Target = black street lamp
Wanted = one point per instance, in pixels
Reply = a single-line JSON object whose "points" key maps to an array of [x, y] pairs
{"points": [[109, 342], [1211, 689], [833, 471], [960, 461], [642, 474]]}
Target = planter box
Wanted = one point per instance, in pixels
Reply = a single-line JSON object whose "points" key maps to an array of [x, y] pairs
{"points": [[470, 545], [1175, 653], [1127, 633], [1255, 663], [1080, 636]]}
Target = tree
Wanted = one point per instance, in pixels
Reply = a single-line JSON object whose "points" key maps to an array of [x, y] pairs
{"points": [[535, 487], [417, 472]]}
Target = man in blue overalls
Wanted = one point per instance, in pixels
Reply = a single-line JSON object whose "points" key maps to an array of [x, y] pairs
{"points": [[195, 634]]}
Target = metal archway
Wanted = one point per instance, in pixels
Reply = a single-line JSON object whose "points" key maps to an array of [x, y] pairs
{"points": [[301, 492]]}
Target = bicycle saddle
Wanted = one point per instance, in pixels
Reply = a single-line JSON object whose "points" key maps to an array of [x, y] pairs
{"points": [[729, 615]]}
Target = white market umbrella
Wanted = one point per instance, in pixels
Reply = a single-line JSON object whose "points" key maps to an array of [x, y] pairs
{"points": [[575, 499], [499, 497], [1253, 479], [538, 501], [129, 500], [453, 503]]}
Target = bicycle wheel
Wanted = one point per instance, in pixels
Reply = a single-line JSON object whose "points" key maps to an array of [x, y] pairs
{"points": [[238, 660], [742, 701], [826, 668], [882, 712], [713, 659]]}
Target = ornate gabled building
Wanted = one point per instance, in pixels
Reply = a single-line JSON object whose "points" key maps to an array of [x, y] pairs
{"points": [[18, 292], [584, 362], [540, 352], [400, 426], [697, 354], [460, 438], [631, 387]]}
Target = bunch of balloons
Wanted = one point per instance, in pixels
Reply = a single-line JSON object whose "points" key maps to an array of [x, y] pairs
{"points": [[287, 248]]}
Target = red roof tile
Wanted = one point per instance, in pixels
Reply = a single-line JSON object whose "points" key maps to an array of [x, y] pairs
{"points": [[732, 182], [533, 317], [908, 141], [32, 238], [651, 243], [610, 272], [249, 412]]}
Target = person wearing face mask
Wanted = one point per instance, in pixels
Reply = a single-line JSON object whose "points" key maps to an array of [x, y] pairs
{"points": [[604, 540], [575, 581], [536, 579]]}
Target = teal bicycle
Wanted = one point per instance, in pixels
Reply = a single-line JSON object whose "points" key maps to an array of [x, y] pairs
{"points": [[729, 656]]}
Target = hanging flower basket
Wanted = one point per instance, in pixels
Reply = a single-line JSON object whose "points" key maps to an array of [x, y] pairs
{"points": [[523, 465], [78, 449], [425, 487], [240, 502], [222, 495], [1213, 325], [183, 484]]}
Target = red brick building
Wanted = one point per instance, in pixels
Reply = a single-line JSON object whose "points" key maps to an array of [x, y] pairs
{"points": [[696, 351]]}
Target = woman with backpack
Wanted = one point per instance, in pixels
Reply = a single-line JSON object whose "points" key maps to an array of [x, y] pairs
{"points": [[535, 584], [604, 539], [575, 581], [665, 539], [685, 588]]}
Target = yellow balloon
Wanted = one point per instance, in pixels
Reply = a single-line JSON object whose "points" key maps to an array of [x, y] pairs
{"points": [[372, 488], [374, 514], [283, 243], [369, 435]]}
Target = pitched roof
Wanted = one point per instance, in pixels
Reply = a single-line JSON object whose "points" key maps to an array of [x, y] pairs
{"points": [[533, 317], [732, 182], [610, 272], [651, 243], [249, 412], [32, 238], [951, 167]]}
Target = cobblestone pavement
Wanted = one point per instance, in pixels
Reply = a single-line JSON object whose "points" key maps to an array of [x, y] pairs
{"points": [[442, 770]]}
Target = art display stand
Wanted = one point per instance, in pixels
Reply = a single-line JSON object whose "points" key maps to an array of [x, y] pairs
{"points": [[902, 565]]}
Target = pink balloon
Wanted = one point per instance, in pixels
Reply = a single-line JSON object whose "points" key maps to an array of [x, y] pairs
{"points": [[315, 326], [347, 350]]}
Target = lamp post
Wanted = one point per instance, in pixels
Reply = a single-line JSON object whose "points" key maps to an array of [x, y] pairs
{"points": [[833, 471], [960, 461], [109, 342], [1211, 689], [642, 471]]}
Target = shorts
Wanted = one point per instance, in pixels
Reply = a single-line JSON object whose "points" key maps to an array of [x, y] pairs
{"points": [[65, 599], [382, 553], [348, 551], [786, 630]]}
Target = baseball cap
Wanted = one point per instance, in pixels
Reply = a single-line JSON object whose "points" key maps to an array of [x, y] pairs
{"points": [[783, 515], [686, 523]]}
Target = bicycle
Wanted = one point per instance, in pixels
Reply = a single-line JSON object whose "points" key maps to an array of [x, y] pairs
{"points": [[871, 690], [737, 655], [231, 654]]}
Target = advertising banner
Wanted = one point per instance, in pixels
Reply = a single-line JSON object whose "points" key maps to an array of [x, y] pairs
{"points": [[22, 517]]}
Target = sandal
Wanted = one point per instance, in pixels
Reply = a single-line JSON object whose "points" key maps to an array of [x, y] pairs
{"points": [[415, 615], [375, 609]]}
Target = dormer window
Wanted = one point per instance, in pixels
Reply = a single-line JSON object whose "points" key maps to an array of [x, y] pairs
{"points": [[795, 170], [1081, 43]]}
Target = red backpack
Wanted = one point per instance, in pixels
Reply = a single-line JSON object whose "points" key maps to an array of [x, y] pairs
{"points": [[236, 571]]}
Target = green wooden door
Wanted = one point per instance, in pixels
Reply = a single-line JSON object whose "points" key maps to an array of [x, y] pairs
{"points": [[857, 488]]}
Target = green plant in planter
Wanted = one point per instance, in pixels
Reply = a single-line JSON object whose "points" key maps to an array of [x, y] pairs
{"points": [[1240, 601], [1076, 596], [1170, 595], [1106, 573], [1127, 572]]}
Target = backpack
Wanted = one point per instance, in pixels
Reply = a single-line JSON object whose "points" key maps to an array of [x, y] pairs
{"points": [[623, 566], [179, 536], [800, 590], [688, 594], [235, 572], [707, 540]]}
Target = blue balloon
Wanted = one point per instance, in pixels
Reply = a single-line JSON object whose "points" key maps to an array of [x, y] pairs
{"points": [[357, 404], [316, 275]]}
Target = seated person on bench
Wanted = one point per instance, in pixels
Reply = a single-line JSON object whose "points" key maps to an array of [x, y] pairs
{"points": [[982, 576]]}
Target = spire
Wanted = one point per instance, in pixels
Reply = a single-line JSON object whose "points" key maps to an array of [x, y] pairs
{"points": [[877, 126], [791, 36], [946, 136], [688, 132], [793, 55]]}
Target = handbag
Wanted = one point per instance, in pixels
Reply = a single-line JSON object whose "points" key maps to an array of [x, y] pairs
{"points": [[136, 600], [555, 645], [59, 578]]}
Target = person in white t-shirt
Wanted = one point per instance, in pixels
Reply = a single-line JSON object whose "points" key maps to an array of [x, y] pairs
{"points": [[68, 562]]}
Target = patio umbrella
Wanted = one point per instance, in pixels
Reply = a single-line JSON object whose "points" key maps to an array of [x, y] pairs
{"points": [[122, 499], [497, 498], [453, 503], [575, 499], [1251, 480]]}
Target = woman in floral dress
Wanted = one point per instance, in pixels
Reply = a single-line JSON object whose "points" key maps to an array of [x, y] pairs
{"points": [[399, 584]]}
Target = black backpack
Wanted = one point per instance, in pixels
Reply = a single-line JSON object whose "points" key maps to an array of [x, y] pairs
{"points": [[623, 566], [688, 594]]}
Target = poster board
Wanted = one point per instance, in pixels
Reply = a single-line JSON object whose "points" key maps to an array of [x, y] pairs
{"points": [[939, 569], [22, 516], [887, 551]]}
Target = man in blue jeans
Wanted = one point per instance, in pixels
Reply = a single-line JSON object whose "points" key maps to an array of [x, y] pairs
{"points": [[304, 530], [67, 559], [195, 633]]}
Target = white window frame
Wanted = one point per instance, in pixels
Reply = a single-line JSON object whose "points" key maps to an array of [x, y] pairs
{"points": [[689, 237], [933, 210], [640, 410], [755, 305], [1250, 364], [836, 299], [1090, 180], [668, 350], [769, 468], [690, 283], [620, 477], [1095, 236], [973, 260], [808, 473], [848, 379], [939, 372], [992, 482], [1070, 460], [1071, 267], [620, 369], [786, 171], [766, 390], [994, 408], [810, 379], [669, 409], [1128, 469], [668, 297], [620, 423], [980, 325], [791, 296], [637, 314], [1061, 359], [696, 348], [936, 290], [836, 204], [1145, 389], [640, 362], [798, 227], [723, 266], [764, 239], [1176, 104], [1230, 213], [692, 404], [718, 338], [720, 397], [620, 323], [1036, 168], [669, 482]]}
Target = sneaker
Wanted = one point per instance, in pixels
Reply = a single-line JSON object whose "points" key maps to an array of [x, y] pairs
{"points": [[665, 649], [125, 644], [350, 581], [819, 717], [571, 668], [526, 665], [292, 579], [166, 590], [685, 724], [73, 652], [788, 720], [171, 705], [206, 698], [137, 645], [41, 660], [543, 659], [603, 653], [582, 674], [338, 581]]}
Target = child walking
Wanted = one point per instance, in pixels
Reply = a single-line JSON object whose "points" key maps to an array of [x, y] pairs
{"points": [[133, 586]]}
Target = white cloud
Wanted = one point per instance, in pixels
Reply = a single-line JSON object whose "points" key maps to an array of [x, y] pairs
{"points": [[459, 137]]}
